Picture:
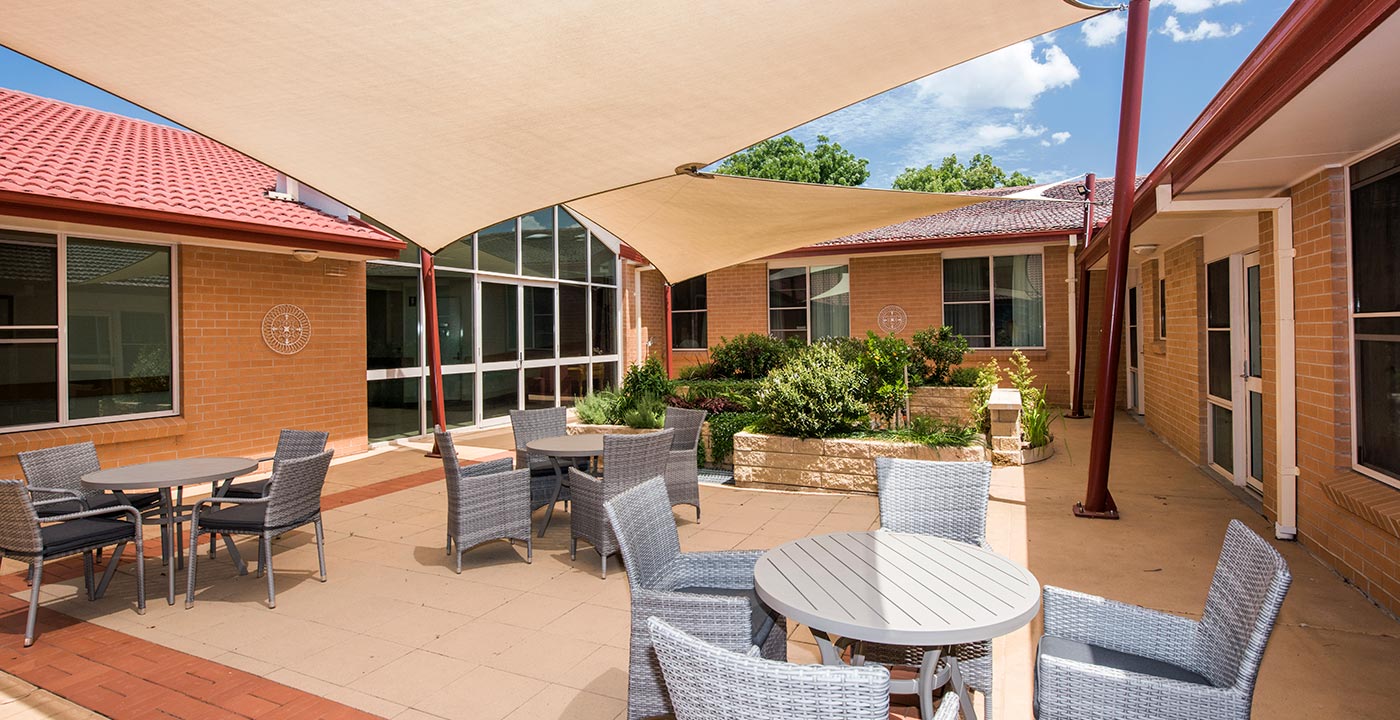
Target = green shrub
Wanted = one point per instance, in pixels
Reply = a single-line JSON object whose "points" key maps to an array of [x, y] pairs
{"points": [[723, 428], [717, 395], [599, 408], [700, 371], [751, 356], [885, 363], [963, 377], [988, 376], [849, 348], [937, 350], [816, 394], [646, 378], [931, 432], [644, 412], [1035, 421]]}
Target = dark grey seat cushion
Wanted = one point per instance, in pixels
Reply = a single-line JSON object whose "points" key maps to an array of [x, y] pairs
{"points": [[760, 620], [252, 488], [235, 517], [1051, 646], [71, 535], [140, 501]]}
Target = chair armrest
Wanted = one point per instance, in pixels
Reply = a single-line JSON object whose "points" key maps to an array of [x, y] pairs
{"points": [[720, 619], [728, 569], [67, 496], [1119, 626], [124, 509], [266, 459], [585, 487]]}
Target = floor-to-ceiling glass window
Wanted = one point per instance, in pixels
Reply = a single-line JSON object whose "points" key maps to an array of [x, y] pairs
{"points": [[528, 317]]}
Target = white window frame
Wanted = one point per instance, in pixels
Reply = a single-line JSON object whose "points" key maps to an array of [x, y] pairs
{"points": [[64, 420], [702, 311], [806, 308], [992, 292]]}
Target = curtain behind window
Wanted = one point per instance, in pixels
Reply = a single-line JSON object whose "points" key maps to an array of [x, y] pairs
{"points": [[831, 301]]}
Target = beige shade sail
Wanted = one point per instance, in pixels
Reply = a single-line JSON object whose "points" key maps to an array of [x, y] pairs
{"points": [[687, 225], [441, 117]]}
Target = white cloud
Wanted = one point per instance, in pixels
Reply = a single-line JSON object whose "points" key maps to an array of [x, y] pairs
{"points": [[1204, 30], [1061, 137], [1012, 77], [1104, 29], [1191, 7]]}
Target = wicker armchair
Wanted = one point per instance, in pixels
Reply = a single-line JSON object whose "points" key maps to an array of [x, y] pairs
{"points": [[26, 535], [682, 469], [290, 444], [57, 473], [709, 594], [486, 501], [292, 501], [708, 682], [947, 500], [531, 425], [628, 460], [1102, 659]]}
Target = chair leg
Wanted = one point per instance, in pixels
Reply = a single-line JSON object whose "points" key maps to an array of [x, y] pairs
{"points": [[605, 565], [37, 568], [190, 571], [449, 543], [267, 568], [459, 560], [573, 549], [697, 514], [140, 574], [262, 553], [110, 571], [87, 576], [529, 549], [321, 548]]}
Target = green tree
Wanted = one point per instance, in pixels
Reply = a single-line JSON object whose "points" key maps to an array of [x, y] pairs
{"points": [[979, 173], [786, 158]]}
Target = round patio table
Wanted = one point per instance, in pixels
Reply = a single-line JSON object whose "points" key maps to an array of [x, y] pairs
{"points": [[564, 447], [899, 589], [162, 476]]}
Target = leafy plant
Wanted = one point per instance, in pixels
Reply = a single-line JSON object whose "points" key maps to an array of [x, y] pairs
{"points": [[817, 394], [1035, 421], [599, 408], [885, 361], [848, 348], [644, 411], [735, 394], [988, 377], [937, 350], [750, 356], [1023, 379], [963, 377], [930, 432], [699, 371], [723, 427], [646, 378]]}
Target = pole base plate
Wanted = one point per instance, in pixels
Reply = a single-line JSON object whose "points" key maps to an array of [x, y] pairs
{"points": [[1109, 512], [1072, 416]]}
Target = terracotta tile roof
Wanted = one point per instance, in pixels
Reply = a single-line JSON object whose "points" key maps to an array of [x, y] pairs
{"points": [[997, 217], [54, 149]]}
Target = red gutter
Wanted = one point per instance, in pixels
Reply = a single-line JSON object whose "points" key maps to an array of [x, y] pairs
{"points": [[1309, 37], [1098, 502], [430, 335], [43, 207], [1014, 238]]}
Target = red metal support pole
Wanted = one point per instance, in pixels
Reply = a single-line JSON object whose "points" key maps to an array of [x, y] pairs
{"points": [[668, 330], [1081, 306], [1098, 502], [434, 347]]}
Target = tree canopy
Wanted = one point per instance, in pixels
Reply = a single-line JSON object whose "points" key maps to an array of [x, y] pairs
{"points": [[786, 158], [951, 176]]}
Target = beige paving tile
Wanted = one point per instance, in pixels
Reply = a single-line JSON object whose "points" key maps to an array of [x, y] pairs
{"points": [[604, 672], [415, 625], [347, 696], [596, 624], [483, 694], [414, 676], [477, 640], [346, 662], [531, 611], [542, 655], [557, 701]]}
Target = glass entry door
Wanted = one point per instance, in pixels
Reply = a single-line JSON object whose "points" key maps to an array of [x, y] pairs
{"points": [[518, 326], [1253, 366], [1134, 352], [1234, 362]]}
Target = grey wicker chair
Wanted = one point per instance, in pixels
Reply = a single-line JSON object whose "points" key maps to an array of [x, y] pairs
{"points": [[628, 460], [35, 539], [708, 682], [709, 594], [57, 473], [485, 501], [530, 425], [290, 444], [292, 501], [947, 500], [1102, 659], [682, 469]]}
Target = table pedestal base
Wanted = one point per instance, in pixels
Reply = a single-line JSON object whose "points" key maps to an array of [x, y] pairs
{"points": [[932, 674]]}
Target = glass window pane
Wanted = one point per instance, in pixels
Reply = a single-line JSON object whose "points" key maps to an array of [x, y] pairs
{"points": [[499, 327], [1161, 308], [496, 250], [573, 248], [604, 376], [1219, 375], [391, 317], [573, 383], [500, 393], [28, 383], [965, 280], [1378, 394], [1132, 330], [1375, 234], [459, 389], [1020, 301], [688, 330], [28, 279], [1256, 354], [787, 288], [971, 321], [120, 356], [539, 323], [393, 408], [537, 243], [602, 262], [454, 297], [688, 294], [831, 302], [1256, 436], [573, 320], [1218, 294], [456, 255], [604, 321], [539, 387], [1222, 436], [784, 324]]}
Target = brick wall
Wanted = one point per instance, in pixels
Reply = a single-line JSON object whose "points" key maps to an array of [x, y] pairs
{"points": [[1268, 338], [913, 282], [653, 315], [1175, 367], [236, 393], [1097, 280]]}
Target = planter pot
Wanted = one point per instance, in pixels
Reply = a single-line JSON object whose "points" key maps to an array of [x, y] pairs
{"points": [[950, 404], [842, 465], [1035, 455]]}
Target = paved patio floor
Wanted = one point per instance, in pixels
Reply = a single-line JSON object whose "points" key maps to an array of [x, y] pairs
{"points": [[397, 634]]}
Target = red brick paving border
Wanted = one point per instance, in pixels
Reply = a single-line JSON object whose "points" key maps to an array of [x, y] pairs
{"points": [[122, 676]]}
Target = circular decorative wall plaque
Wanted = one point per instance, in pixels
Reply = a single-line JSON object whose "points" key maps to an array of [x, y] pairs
{"points": [[892, 319], [286, 329]]}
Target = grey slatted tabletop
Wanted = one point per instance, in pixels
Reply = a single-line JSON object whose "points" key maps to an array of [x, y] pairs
{"points": [[568, 446], [897, 588]]}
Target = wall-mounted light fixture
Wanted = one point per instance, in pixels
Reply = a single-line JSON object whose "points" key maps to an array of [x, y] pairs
{"points": [[305, 255], [1145, 249]]}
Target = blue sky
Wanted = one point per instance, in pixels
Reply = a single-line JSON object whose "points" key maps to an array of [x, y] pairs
{"points": [[1047, 107]]}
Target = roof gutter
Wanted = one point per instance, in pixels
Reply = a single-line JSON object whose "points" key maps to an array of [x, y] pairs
{"points": [[1058, 235]]}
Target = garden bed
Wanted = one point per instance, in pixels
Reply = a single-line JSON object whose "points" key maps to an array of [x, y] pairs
{"points": [[949, 404], [775, 462]]}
